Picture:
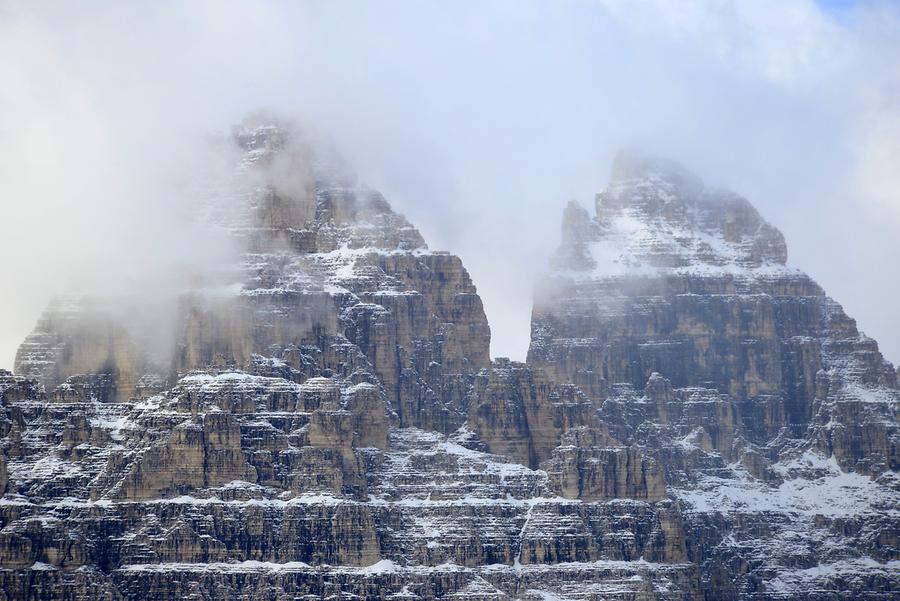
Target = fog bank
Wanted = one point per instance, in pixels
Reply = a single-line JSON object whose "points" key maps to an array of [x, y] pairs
{"points": [[479, 121]]}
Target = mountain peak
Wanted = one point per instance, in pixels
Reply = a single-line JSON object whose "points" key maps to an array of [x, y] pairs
{"points": [[631, 165], [330, 419], [655, 214]]}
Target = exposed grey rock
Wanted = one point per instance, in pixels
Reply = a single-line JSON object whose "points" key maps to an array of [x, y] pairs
{"points": [[696, 420], [759, 395]]}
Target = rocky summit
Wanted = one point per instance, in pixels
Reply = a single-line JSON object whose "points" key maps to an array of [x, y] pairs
{"points": [[695, 420]]}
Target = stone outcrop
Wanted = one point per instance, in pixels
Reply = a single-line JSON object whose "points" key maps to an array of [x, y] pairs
{"points": [[76, 338], [695, 420], [749, 387]]}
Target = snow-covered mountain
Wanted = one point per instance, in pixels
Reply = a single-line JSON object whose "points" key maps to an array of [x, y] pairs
{"points": [[695, 420]]}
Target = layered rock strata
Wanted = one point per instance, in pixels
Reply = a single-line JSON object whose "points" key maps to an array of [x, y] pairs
{"points": [[775, 419], [695, 419]]}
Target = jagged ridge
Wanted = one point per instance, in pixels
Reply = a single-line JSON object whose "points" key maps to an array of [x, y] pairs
{"points": [[695, 419]]}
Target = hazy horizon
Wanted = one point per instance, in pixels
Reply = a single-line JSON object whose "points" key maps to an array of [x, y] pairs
{"points": [[478, 122]]}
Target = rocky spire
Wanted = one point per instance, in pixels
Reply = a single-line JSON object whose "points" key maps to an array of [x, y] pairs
{"points": [[735, 372], [657, 214], [694, 421], [579, 230]]}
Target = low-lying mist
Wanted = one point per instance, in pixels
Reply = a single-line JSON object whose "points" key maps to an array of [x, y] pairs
{"points": [[479, 121]]}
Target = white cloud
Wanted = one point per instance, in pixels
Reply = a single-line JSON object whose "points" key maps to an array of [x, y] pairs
{"points": [[478, 120]]}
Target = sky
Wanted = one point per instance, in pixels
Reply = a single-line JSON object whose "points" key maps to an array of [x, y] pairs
{"points": [[477, 120]]}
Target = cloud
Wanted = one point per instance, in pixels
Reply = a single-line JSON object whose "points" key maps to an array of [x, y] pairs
{"points": [[477, 120]]}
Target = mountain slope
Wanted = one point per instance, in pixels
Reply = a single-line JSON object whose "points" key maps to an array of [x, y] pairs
{"points": [[775, 418], [695, 419]]}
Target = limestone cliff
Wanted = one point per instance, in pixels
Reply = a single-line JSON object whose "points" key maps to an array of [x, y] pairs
{"points": [[695, 419], [736, 373]]}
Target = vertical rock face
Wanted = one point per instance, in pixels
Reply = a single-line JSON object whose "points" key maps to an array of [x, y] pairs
{"points": [[695, 419], [325, 262], [691, 283], [76, 337], [735, 373]]}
